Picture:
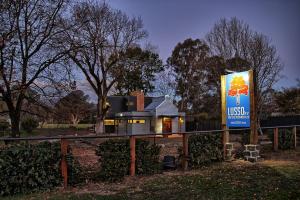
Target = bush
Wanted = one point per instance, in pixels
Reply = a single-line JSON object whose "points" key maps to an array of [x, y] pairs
{"points": [[29, 124], [26, 168], [204, 149], [285, 138], [115, 158], [75, 171]]}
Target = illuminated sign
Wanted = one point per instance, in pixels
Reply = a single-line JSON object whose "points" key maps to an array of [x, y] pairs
{"points": [[237, 98]]}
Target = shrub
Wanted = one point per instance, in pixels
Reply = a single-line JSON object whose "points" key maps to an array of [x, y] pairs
{"points": [[115, 158], [285, 138], [29, 124], [204, 148], [75, 171], [26, 168], [147, 161]]}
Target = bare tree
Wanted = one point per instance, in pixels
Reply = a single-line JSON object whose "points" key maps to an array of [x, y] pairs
{"points": [[165, 83], [234, 39], [99, 36], [28, 57]]}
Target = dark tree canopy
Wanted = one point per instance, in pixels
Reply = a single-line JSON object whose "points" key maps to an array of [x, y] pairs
{"points": [[288, 100], [188, 61], [73, 107], [139, 70]]}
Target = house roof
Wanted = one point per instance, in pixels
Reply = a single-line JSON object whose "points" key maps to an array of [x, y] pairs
{"points": [[125, 104], [156, 101]]}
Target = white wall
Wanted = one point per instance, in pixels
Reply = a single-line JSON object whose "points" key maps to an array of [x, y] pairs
{"points": [[158, 125], [175, 125]]}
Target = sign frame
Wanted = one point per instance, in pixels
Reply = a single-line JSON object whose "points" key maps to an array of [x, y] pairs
{"points": [[252, 106]]}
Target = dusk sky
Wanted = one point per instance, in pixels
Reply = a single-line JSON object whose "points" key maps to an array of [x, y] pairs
{"points": [[171, 21]]}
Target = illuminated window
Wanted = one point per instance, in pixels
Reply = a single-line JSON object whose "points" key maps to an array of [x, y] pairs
{"points": [[136, 121], [129, 103], [109, 122], [181, 120]]}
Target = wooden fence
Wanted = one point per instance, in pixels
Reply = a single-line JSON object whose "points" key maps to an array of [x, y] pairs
{"points": [[64, 141]]}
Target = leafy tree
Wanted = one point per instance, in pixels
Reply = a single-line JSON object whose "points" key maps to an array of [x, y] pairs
{"points": [[288, 100], [139, 70], [29, 53], [73, 107], [188, 61], [105, 33]]}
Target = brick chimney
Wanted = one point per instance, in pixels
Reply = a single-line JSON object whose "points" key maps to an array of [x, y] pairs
{"points": [[139, 94]]}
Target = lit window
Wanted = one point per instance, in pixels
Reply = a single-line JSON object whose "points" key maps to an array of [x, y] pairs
{"points": [[181, 120], [136, 121], [109, 122]]}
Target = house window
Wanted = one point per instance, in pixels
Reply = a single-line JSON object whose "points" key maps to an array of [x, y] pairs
{"points": [[181, 120], [136, 121], [109, 122]]}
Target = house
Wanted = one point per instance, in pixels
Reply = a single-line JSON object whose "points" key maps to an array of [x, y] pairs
{"points": [[137, 114]]}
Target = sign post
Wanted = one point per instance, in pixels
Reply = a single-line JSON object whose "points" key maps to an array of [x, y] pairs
{"points": [[238, 102], [253, 133]]}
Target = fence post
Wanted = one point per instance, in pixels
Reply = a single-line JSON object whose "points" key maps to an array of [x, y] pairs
{"points": [[275, 141], [64, 165], [132, 155], [185, 151], [295, 136]]}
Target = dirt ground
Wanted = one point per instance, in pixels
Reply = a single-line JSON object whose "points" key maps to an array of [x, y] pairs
{"points": [[84, 151]]}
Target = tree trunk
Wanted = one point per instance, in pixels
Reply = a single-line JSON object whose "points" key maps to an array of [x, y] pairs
{"points": [[99, 127], [74, 119], [15, 116], [15, 126]]}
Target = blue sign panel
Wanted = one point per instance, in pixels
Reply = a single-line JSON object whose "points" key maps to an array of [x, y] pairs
{"points": [[237, 100]]}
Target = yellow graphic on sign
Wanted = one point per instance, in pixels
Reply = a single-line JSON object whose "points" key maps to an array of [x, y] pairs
{"points": [[238, 86]]}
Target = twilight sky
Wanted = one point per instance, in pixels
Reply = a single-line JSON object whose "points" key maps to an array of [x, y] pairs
{"points": [[171, 21]]}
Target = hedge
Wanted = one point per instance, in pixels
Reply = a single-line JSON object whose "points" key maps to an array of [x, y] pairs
{"points": [[26, 168], [114, 156], [204, 149]]}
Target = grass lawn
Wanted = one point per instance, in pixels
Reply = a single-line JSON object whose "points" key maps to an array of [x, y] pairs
{"points": [[237, 180]]}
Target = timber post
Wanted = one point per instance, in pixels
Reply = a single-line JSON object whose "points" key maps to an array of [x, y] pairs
{"points": [[253, 108], [132, 155], [295, 136], [64, 165], [185, 149], [225, 140], [275, 139]]}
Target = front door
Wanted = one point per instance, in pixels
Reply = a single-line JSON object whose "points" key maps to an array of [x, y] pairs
{"points": [[167, 125]]}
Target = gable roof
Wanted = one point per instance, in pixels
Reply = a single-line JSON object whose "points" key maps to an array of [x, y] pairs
{"points": [[156, 101]]}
